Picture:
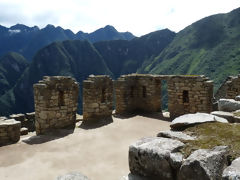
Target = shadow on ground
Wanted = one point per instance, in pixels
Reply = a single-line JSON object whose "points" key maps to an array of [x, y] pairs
{"points": [[50, 136], [136, 177], [158, 115], [93, 124]]}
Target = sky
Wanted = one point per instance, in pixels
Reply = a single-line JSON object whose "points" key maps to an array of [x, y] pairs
{"points": [[137, 16]]}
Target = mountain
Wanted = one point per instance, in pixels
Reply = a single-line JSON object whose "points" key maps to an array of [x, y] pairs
{"points": [[108, 33], [76, 58], [210, 46], [12, 65], [123, 57], [79, 59], [28, 40]]}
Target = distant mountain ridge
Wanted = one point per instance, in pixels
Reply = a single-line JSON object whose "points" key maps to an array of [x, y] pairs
{"points": [[28, 40], [210, 46], [79, 59]]}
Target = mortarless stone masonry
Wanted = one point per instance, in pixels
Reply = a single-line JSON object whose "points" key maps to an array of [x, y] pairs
{"points": [[9, 131], [189, 94], [97, 97], [56, 100], [229, 89], [138, 92]]}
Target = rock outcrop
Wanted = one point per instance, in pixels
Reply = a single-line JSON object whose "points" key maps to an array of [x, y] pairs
{"points": [[150, 157], [204, 164], [232, 172], [228, 105], [175, 135], [187, 120]]}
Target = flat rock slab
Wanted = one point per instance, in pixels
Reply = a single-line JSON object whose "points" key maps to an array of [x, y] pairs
{"points": [[149, 157], [175, 135], [73, 176], [223, 114], [232, 171], [187, 120], [204, 164], [228, 105]]}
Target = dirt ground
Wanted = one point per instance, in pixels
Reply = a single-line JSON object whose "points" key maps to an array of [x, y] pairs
{"points": [[101, 153]]}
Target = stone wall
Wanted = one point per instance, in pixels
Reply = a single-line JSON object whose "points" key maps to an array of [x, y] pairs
{"points": [[138, 92], [56, 100], [97, 97], [189, 94], [9, 131], [27, 120], [229, 89]]}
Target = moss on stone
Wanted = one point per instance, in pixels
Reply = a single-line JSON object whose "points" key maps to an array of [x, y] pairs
{"points": [[214, 134]]}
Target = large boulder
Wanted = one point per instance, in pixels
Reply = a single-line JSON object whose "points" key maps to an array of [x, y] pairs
{"points": [[72, 176], [228, 105], [225, 115], [187, 120], [175, 135], [232, 171], [150, 157], [204, 164]]}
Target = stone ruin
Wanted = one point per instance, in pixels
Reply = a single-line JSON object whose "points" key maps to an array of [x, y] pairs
{"points": [[142, 93], [56, 100], [97, 97], [27, 121], [229, 89], [138, 92], [9, 131], [189, 94]]}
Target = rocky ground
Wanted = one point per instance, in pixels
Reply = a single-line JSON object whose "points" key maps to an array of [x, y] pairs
{"points": [[99, 152]]}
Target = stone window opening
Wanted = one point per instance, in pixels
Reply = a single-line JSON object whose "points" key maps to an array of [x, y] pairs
{"points": [[144, 91], [132, 91], [103, 96], [185, 96], [61, 98]]}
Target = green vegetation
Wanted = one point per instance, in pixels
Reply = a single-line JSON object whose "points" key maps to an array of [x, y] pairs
{"points": [[68, 58], [210, 46], [214, 134], [237, 113], [123, 57], [12, 65]]}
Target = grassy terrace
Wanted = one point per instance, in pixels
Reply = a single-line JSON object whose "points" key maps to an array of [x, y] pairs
{"points": [[214, 134]]}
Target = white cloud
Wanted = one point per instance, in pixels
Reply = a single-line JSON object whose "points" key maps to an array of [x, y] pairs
{"points": [[137, 16]]}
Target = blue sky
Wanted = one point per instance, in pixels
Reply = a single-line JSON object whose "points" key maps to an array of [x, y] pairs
{"points": [[137, 16]]}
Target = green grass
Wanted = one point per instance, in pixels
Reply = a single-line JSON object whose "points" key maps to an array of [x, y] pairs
{"points": [[237, 113], [210, 135]]}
